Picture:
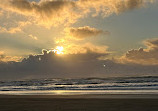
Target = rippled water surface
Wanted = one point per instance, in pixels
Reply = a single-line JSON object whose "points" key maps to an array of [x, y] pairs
{"points": [[148, 84]]}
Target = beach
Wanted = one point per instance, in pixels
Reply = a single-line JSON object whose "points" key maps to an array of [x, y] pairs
{"points": [[80, 94], [107, 102]]}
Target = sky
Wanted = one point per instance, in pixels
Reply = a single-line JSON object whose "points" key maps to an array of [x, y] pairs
{"points": [[78, 38]]}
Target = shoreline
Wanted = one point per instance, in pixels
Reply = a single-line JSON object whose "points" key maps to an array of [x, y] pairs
{"points": [[86, 96]]}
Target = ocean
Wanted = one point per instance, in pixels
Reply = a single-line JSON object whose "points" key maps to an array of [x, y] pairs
{"points": [[111, 85]]}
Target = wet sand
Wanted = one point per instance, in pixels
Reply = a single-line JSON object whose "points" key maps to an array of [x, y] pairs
{"points": [[79, 103]]}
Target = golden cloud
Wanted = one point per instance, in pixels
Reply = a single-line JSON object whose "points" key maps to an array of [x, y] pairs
{"points": [[107, 7], [4, 58], [143, 56], [54, 12], [44, 12], [84, 48]]}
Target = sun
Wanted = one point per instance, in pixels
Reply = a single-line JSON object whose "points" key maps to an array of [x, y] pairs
{"points": [[59, 50]]}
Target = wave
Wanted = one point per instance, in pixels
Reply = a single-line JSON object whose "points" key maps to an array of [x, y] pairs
{"points": [[119, 83]]}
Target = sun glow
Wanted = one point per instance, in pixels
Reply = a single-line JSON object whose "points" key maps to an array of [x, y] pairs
{"points": [[59, 50]]}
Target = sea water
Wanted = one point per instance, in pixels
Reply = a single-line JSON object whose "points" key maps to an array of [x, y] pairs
{"points": [[115, 85]]}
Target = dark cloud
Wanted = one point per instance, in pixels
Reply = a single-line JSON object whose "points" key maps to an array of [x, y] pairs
{"points": [[144, 56], [129, 5], [48, 65], [84, 32]]}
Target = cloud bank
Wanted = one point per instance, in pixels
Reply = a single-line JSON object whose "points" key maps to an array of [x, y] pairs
{"points": [[50, 65]]}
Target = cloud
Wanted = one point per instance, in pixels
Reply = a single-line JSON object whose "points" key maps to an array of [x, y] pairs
{"points": [[83, 32], [12, 30], [108, 7], [55, 12], [33, 37], [87, 56], [4, 58], [44, 12], [50, 64], [84, 48], [144, 56]]}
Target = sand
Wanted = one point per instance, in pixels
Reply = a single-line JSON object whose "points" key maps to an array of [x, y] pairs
{"points": [[79, 103]]}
